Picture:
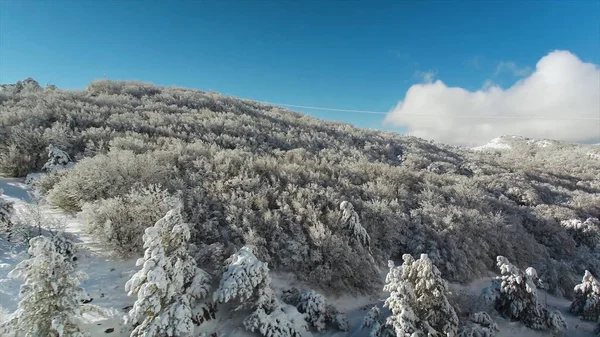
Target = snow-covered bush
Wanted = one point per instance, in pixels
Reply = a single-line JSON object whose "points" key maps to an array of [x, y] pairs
{"points": [[6, 212], [44, 182], [515, 296], [375, 323], [313, 305], [22, 150], [584, 232], [51, 298], [247, 280], [418, 299], [320, 314], [170, 285], [480, 325], [31, 221], [282, 321], [587, 298], [291, 296], [108, 176], [58, 160], [120, 222]]}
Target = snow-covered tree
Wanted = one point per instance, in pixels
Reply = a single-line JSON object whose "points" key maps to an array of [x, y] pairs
{"points": [[418, 299], [433, 307], [584, 232], [401, 302], [320, 314], [587, 298], [57, 160], [282, 321], [351, 220], [314, 306], [515, 296], [480, 324], [246, 280], [338, 319], [51, 297], [6, 212], [170, 285], [243, 276], [375, 323]]}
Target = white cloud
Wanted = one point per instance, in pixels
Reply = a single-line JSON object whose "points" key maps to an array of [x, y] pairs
{"points": [[425, 76], [513, 69], [562, 86]]}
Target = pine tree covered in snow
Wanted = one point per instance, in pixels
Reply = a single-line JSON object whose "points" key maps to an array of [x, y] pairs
{"points": [[351, 220], [338, 320], [480, 325], [313, 305], [418, 299], [320, 314], [246, 280], [57, 160], [432, 307], [282, 321], [375, 323], [587, 298], [170, 285], [401, 302], [515, 296], [51, 298], [244, 275]]}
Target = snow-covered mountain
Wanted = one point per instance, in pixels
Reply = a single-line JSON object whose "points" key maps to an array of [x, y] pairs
{"points": [[324, 203]]}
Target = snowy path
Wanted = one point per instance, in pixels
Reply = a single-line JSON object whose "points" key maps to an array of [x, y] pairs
{"points": [[107, 277]]}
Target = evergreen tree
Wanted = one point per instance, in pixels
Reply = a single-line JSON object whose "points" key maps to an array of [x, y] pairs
{"points": [[587, 298], [479, 325], [51, 298], [57, 159], [169, 285], [401, 301], [418, 299], [375, 323], [351, 220], [515, 296], [247, 281]]}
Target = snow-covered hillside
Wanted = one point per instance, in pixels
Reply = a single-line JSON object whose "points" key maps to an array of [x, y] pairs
{"points": [[107, 277], [325, 204]]}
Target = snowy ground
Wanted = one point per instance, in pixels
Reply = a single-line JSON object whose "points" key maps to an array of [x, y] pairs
{"points": [[107, 277]]}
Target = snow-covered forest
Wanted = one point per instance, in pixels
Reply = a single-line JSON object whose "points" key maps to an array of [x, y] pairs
{"points": [[250, 219]]}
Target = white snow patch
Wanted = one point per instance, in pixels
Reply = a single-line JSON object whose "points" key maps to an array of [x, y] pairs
{"points": [[494, 144]]}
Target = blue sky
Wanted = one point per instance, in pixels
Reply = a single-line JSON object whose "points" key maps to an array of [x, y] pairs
{"points": [[342, 54]]}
